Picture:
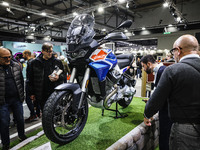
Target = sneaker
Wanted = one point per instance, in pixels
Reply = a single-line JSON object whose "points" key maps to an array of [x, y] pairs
{"points": [[5, 147], [39, 115], [31, 119], [22, 138]]}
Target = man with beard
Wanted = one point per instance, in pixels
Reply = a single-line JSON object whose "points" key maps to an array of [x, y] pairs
{"points": [[149, 65]]}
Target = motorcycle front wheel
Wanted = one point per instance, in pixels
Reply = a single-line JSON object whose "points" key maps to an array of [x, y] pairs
{"points": [[59, 123]]}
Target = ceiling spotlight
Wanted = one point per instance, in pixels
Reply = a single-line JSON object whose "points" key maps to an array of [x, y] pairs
{"points": [[5, 3], [26, 30], [127, 5], [143, 28], [172, 10], [43, 14], [121, 1], [166, 4], [75, 14], [125, 30], [103, 30], [178, 19], [9, 10], [170, 25], [28, 17], [100, 9], [32, 34], [50, 23]]}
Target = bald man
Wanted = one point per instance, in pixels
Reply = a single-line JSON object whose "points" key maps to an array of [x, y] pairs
{"points": [[180, 87], [11, 96]]}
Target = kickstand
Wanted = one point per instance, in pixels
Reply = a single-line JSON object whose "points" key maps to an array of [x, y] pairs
{"points": [[116, 112]]}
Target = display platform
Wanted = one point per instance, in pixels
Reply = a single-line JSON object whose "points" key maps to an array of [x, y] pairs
{"points": [[100, 131]]}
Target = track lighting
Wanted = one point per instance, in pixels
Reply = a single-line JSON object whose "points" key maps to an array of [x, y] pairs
{"points": [[127, 5], [166, 4], [5, 4]]}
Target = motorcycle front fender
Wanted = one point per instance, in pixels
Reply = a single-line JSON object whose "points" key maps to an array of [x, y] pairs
{"points": [[75, 89]]}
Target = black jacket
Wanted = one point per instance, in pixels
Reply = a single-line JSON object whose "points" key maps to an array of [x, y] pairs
{"points": [[180, 84], [36, 73], [18, 78]]}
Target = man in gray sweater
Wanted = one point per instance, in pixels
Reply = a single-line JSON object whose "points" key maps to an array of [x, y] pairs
{"points": [[179, 85]]}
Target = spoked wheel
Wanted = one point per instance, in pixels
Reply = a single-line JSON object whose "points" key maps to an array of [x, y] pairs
{"points": [[59, 123]]}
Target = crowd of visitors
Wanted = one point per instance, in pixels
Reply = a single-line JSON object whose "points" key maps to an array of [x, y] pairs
{"points": [[39, 84]]}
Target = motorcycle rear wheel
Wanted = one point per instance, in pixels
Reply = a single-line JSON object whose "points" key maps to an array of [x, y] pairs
{"points": [[59, 123]]}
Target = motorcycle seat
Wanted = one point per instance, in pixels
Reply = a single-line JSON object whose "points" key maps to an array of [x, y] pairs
{"points": [[124, 60]]}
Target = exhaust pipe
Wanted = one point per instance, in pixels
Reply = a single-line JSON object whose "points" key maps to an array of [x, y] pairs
{"points": [[106, 105]]}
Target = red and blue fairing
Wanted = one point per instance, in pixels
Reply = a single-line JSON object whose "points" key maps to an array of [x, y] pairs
{"points": [[103, 61]]}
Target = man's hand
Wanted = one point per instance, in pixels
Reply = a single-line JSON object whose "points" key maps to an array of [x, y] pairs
{"points": [[55, 78], [147, 122], [145, 100]]}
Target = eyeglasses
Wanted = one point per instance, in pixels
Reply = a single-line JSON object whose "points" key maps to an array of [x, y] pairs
{"points": [[174, 49], [6, 57]]}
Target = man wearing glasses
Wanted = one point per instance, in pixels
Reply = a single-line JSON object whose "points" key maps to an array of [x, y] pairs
{"points": [[180, 85], [11, 96], [41, 83]]}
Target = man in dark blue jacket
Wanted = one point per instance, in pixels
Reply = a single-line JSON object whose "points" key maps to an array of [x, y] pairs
{"points": [[149, 64], [11, 96], [179, 86], [41, 83]]}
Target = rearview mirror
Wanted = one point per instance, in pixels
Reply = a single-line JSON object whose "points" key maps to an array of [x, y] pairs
{"points": [[125, 24]]}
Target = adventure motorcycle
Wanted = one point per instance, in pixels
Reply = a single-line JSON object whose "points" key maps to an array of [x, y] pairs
{"points": [[98, 77]]}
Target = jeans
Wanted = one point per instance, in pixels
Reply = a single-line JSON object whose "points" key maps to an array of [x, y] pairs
{"points": [[29, 102], [165, 128], [139, 73], [16, 106], [185, 137]]}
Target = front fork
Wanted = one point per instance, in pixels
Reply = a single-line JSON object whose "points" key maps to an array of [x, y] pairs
{"points": [[84, 83]]}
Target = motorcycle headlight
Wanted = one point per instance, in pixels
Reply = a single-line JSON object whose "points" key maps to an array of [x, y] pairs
{"points": [[82, 53], [79, 54], [74, 55]]}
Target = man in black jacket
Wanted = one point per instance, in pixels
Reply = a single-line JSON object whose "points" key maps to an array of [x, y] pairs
{"points": [[11, 96], [150, 65], [179, 85], [33, 116], [41, 83]]}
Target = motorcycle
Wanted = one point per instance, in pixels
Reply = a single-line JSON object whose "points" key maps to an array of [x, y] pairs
{"points": [[98, 77]]}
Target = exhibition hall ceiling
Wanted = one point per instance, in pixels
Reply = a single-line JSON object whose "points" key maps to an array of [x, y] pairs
{"points": [[52, 17]]}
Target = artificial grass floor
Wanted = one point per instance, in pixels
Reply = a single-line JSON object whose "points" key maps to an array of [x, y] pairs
{"points": [[100, 132]]}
